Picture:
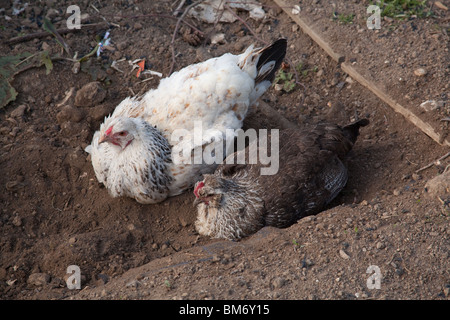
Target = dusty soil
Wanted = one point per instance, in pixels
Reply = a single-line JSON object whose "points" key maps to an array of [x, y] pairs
{"points": [[55, 214]]}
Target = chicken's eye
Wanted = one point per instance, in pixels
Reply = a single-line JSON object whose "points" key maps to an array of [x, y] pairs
{"points": [[122, 133]]}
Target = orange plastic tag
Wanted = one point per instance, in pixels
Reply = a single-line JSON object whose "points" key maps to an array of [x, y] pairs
{"points": [[141, 65]]}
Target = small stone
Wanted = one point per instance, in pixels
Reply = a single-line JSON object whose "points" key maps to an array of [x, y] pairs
{"points": [[429, 105], [122, 45], [99, 112], [218, 38], [72, 240], [102, 279], [17, 221], [19, 111], [396, 192], [278, 282], [137, 26], [69, 113], [38, 279], [76, 67], [90, 95], [380, 245], [439, 185], [420, 72], [133, 284], [278, 87], [183, 222], [343, 254], [45, 46]]}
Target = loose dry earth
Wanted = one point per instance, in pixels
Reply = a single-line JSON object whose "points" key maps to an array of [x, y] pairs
{"points": [[55, 214]]}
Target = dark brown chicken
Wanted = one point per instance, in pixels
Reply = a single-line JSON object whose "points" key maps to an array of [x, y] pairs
{"points": [[236, 201]]}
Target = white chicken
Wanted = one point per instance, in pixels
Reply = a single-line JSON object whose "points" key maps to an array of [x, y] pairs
{"points": [[132, 152]]}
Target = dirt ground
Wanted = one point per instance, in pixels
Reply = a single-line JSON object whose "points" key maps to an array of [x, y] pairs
{"points": [[55, 214]]}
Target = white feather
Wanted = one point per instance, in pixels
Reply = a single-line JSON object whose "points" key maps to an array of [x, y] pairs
{"points": [[217, 93]]}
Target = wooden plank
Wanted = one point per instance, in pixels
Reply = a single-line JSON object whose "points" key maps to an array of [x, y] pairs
{"points": [[425, 127], [309, 31], [410, 116]]}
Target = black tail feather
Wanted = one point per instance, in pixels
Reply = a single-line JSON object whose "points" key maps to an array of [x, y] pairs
{"points": [[351, 131], [275, 52]]}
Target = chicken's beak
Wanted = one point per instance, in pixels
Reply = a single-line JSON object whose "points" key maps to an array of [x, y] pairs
{"points": [[103, 138]]}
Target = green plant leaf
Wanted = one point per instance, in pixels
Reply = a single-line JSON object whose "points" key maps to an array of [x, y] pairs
{"points": [[7, 71], [45, 59]]}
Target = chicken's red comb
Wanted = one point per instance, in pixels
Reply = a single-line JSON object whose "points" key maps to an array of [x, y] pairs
{"points": [[199, 185], [107, 132]]}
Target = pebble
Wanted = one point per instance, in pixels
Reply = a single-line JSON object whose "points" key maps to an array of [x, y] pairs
{"points": [[420, 72], [137, 26], [90, 95], [38, 279], [69, 113], [17, 221], [439, 185], [76, 67], [278, 282], [380, 245], [429, 105], [19, 111], [396, 192], [218, 38], [99, 112], [133, 284], [183, 222], [122, 45], [343, 254]]}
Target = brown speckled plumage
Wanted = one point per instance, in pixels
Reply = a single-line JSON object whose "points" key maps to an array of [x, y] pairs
{"points": [[236, 201]]}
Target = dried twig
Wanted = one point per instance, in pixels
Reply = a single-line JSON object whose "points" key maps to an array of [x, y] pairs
{"points": [[172, 42], [434, 162], [178, 9], [245, 24], [43, 34]]}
